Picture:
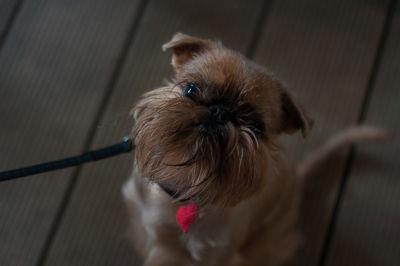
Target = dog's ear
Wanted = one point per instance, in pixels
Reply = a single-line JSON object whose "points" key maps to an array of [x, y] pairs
{"points": [[294, 117], [185, 47]]}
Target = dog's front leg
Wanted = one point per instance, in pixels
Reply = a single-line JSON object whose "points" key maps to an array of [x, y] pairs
{"points": [[165, 255]]}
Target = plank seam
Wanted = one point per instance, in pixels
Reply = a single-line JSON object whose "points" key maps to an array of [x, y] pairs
{"points": [[260, 24], [361, 118], [138, 15], [10, 22]]}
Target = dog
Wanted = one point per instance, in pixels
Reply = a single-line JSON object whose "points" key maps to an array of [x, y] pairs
{"points": [[211, 183]]}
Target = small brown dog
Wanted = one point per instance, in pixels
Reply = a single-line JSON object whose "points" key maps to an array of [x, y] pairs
{"points": [[211, 184]]}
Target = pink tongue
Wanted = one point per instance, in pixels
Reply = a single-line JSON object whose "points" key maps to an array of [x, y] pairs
{"points": [[186, 215]]}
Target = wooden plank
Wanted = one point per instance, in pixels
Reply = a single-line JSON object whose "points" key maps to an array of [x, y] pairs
{"points": [[7, 10], [54, 70], [367, 231], [324, 50], [93, 231]]}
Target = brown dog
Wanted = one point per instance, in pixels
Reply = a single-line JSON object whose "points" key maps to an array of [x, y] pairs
{"points": [[208, 162]]}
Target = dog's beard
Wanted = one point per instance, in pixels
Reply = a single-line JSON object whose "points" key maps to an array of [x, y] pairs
{"points": [[177, 148]]}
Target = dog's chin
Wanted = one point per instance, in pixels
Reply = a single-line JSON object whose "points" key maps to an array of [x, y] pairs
{"points": [[196, 183], [201, 162]]}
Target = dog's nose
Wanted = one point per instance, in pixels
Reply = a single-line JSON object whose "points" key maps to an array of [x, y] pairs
{"points": [[219, 114]]}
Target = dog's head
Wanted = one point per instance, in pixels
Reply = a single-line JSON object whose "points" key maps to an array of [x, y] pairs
{"points": [[207, 135]]}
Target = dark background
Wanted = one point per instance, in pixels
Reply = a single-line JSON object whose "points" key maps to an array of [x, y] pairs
{"points": [[70, 71]]}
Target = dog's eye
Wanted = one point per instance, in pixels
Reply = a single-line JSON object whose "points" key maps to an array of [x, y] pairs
{"points": [[191, 89]]}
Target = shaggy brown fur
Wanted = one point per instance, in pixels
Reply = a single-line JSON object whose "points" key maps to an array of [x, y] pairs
{"points": [[211, 135], [199, 162]]}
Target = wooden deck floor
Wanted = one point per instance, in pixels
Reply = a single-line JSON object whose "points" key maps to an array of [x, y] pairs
{"points": [[71, 70]]}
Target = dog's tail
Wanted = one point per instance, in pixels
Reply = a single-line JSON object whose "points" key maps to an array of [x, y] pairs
{"points": [[339, 141]]}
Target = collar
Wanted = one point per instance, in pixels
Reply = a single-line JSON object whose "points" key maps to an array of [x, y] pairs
{"points": [[186, 214], [172, 193]]}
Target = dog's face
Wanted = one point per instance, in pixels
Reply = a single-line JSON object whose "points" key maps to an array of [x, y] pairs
{"points": [[209, 134]]}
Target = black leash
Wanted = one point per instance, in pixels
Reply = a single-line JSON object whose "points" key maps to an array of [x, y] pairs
{"points": [[124, 146]]}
